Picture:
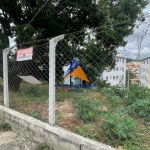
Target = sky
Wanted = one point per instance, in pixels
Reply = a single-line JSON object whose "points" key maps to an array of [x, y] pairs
{"points": [[134, 42]]}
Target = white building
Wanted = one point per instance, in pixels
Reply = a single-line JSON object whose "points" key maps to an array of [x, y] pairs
{"points": [[116, 76], [144, 74]]}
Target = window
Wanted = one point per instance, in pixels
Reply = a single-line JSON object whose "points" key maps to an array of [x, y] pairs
{"points": [[123, 60], [110, 77], [114, 77], [117, 60], [106, 78], [123, 77], [122, 68], [114, 69], [117, 68]]}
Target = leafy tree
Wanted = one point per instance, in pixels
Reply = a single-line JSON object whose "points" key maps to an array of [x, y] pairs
{"points": [[116, 17], [4, 43]]}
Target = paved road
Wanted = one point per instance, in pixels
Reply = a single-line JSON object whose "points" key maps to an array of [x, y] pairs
{"points": [[12, 141]]}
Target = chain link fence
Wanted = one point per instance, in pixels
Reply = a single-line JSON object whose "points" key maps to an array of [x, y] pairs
{"points": [[98, 64]]}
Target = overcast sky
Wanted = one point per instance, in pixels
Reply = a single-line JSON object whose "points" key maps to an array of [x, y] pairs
{"points": [[133, 46]]}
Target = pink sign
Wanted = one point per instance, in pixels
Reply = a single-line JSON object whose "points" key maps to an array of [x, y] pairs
{"points": [[24, 54]]}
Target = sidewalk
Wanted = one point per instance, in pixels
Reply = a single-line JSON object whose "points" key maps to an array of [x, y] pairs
{"points": [[12, 141]]}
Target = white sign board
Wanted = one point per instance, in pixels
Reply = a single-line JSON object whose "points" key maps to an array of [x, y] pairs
{"points": [[24, 54]]}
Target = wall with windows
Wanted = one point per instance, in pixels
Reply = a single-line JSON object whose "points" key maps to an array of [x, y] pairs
{"points": [[116, 76], [144, 73]]}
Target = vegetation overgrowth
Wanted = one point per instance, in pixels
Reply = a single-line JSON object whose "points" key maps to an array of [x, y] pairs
{"points": [[111, 115]]}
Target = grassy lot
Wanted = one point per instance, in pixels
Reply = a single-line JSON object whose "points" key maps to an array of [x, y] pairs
{"points": [[118, 117]]}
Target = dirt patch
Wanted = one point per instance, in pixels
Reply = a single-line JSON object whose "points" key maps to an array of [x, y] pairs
{"points": [[93, 95], [67, 115]]}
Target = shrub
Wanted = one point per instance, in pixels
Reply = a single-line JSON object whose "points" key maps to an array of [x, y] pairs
{"points": [[5, 127], [141, 108], [87, 109], [118, 128], [43, 146], [101, 83], [137, 92]]}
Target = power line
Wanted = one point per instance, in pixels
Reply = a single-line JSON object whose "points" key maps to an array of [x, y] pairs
{"points": [[33, 17]]}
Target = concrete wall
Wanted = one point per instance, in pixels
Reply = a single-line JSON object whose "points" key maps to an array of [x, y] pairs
{"points": [[58, 138]]}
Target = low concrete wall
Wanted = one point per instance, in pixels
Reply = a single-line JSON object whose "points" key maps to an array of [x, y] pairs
{"points": [[57, 137]]}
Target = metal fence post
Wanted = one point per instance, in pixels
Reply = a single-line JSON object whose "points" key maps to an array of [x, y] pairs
{"points": [[5, 76], [52, 47]]}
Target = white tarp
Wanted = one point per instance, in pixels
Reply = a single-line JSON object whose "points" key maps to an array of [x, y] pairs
{"points": [[30, 79]]}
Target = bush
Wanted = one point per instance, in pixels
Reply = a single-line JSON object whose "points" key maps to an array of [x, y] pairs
{"points": [[43, 146], [141, 108], [5, 127], [87, 109], [137, 92], [101, 83], [118, 128]]}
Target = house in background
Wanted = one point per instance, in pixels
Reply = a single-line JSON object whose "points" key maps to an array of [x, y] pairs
{"points": [[134, 67], [116, 76], [144, 73]]}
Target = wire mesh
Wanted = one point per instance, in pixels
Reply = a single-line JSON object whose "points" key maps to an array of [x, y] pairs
{"points": [[97, 64]]}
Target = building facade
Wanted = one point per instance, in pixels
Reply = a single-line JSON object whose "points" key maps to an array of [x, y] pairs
{"points": [[116, 76], [144, 73]]}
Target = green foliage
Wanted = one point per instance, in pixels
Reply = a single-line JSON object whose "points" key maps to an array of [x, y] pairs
{"points": [[112, 96], [101, 83], [136, 92], [87, 131], [130, 145], [87, 109], [141, 108], [118, 128], [5, 127], [43, 146], [36, 114], [32, 91], [4, 42]]}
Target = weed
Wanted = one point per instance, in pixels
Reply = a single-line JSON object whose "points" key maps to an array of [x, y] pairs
{"points": [[5, 127], [118, 128], [43, 146], [36, 114], [141, 108], [87, 131], [87, 109]]}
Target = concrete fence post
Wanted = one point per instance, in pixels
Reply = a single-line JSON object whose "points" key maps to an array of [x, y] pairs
{"points": [[52, 48], [5, 76]]}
